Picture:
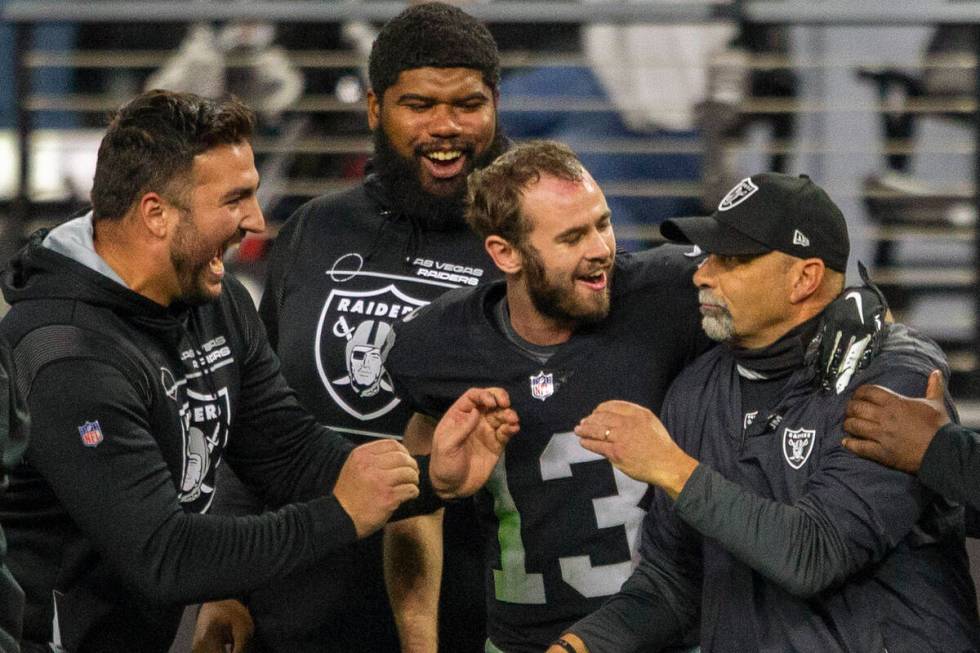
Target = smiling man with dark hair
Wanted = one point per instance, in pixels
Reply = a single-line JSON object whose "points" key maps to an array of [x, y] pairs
{"points": [[145, 369]]}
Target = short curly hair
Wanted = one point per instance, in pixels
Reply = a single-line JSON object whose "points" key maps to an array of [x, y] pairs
{"points": [[493, 198], [151, 143], [435, 35]]}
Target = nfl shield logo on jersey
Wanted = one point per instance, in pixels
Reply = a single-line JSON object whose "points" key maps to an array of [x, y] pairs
{"points": [[542, 385], [91, 433], [797, 446]]}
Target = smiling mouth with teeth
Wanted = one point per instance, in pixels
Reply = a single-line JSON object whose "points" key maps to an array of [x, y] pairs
{"points": [[449, 155]]}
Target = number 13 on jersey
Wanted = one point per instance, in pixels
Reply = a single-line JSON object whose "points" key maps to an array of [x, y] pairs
{"points": [[512, 582]]}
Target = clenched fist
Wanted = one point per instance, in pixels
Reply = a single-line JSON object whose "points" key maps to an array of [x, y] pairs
{"points": [[376, 479]]}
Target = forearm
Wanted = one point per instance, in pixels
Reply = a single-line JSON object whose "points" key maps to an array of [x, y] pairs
{"points": [[194, 558], [275, 446], [283, 456], [951, 465], [413, 572], [655, 606], [797, 548]]}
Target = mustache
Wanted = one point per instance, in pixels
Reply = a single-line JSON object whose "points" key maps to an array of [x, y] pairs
{"points": [[235, 239], [588, 269], [706, 297], [466, 147]]}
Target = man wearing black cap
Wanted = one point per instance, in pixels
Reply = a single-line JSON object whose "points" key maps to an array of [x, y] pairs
{"points": [[344, 268], [783, 538]]}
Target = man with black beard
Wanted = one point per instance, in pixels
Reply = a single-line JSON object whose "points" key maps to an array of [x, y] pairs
{"points": [[344, 268]]}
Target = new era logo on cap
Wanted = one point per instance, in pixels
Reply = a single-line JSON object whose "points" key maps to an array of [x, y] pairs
{"points": [[800, 239]]}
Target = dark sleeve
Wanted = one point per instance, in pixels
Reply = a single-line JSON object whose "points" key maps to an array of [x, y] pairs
{"points": [[275, 446], [659, 602], [13, 439], [14, 421], [232, 496], [853, 512], [951, 466], [405, 357], [122, 496]]}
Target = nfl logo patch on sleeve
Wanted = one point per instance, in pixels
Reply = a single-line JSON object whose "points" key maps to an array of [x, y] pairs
{"points": [[91, 433]]}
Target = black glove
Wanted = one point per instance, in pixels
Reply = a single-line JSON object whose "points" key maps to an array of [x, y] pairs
{"points": [[850, 334]]}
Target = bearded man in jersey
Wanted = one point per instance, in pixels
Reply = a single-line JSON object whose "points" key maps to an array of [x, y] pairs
{"points": [[763, 523], [573, 324], [344, 268]]}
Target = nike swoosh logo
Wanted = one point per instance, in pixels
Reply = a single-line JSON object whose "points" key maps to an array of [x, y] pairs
{"points": [[856, 296]]}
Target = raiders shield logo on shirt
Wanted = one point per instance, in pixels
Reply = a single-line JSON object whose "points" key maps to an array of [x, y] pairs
{"points": [[797, 446], [204, 422], [350, 336]]}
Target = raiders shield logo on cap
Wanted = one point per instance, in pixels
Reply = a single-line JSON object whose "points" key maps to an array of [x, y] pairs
{"points": [[742, 191]]}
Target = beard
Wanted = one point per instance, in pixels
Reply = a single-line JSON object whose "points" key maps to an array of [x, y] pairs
{"points": [[557, 299], [402, 176], [718, 326], [191, 258]]}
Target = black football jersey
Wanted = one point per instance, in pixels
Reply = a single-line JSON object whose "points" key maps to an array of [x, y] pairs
{"points": [[561, 525]]}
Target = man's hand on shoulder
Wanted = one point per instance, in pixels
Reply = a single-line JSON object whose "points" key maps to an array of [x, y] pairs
{"points": [[377, 478], [469, 439], [893, 429]]}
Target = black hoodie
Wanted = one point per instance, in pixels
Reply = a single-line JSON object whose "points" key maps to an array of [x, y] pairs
{"points": [[135, 405], [13, 440]]}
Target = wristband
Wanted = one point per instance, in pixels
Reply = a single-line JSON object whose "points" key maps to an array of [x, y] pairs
{"points": [[565, 645]]}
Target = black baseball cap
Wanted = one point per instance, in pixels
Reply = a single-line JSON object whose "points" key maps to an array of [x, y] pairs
{"points": [[770, 212]]}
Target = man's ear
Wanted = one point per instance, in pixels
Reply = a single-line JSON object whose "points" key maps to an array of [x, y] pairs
{"points": [[155, 214], [374, 110], [505, 256], [807, 277]]}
